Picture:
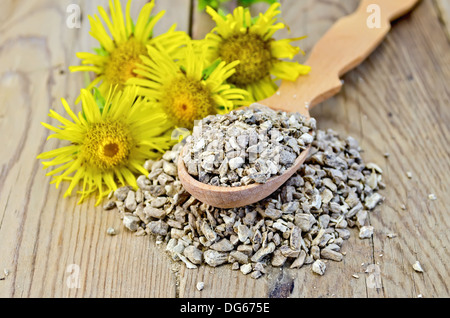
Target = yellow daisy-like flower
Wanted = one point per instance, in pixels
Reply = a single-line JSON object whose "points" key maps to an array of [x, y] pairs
{"points": [[116, 60], [238, 36], [189, 89], [108, 144]]}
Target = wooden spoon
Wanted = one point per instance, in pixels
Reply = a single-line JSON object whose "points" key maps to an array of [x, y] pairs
{"points": [[349, 41]]}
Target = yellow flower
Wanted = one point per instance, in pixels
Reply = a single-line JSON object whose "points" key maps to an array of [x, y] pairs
{"points": [[238, 36], [116, 60], [108, 144], [188, 89]]}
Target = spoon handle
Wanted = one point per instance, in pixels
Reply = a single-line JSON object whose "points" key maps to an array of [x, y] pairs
{"points": [[346, 45]]}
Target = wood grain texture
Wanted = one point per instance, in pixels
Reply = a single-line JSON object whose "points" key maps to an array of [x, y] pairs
{"points": [[396, 101], [443, 11]]}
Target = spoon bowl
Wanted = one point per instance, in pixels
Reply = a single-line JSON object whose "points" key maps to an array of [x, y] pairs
{"points": [[346, 45], [231, 197]]}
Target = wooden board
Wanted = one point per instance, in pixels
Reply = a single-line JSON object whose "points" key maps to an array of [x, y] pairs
{"points": [[397, 102]]}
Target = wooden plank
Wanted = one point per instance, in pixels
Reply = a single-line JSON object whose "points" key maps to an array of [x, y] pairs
{"points": [[201, 22], [363, 109], [391, 104], [396, 102], [47, 240], [314, 18], [177, 12], [414, 114], [308, 17], [221, 282], [443, 10], [302, 19]]}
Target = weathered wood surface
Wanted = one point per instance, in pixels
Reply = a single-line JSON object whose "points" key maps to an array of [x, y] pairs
{"points": [[397, 102]]}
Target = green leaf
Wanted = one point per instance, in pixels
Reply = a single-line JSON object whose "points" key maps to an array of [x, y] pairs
{"points": [[99, 99], [208, 71], [222, 13], [149, 21], [133, 27], [252, 21], [248, 3], [215, 4], [202, 4], [101, 51]]}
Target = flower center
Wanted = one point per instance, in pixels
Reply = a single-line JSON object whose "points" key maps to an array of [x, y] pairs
{"points": [[107, 145], [110, 150], [122, 61], [254, 54], [186, 100]]}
